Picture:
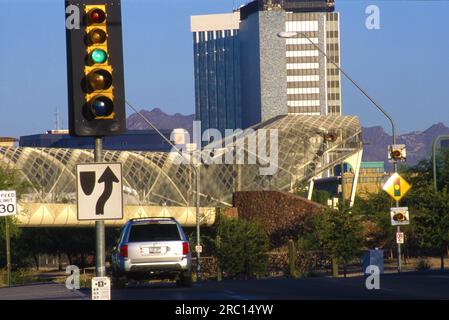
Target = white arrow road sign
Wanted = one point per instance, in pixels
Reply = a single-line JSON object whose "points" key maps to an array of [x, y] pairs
{"points": [[99, 191], [8, 204]]}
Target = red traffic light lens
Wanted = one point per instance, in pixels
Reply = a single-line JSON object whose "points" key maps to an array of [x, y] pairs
{"points": [[97, 16], [100, 79], [101, 106], [97, 36]]}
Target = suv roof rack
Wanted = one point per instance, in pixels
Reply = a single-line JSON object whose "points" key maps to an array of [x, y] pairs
{"points": [[147, 218]]}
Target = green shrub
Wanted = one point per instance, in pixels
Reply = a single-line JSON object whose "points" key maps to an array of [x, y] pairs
{"points": [[18, 277], [242, 249], [307, 259]]}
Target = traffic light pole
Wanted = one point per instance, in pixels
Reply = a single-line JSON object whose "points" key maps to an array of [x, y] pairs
{"points": [[398, 228], [100, 258]]}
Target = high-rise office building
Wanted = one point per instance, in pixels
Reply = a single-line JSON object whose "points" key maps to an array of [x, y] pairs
{"points": [[271, 75], [217, 70], [313, 82]]}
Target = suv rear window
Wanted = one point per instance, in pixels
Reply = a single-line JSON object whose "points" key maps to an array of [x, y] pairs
{"points": [[154, 232]]}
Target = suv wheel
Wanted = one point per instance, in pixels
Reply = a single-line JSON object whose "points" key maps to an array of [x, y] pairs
{"points": [[185, 279]]}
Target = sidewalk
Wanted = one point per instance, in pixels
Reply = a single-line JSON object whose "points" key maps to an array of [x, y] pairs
{"points": [[41, 291]]}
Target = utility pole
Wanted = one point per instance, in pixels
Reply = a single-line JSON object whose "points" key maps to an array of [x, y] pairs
{"points": [[434, 163]]}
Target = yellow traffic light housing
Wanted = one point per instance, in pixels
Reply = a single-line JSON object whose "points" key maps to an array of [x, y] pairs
{"points": [[99, 94], [95, 70]]}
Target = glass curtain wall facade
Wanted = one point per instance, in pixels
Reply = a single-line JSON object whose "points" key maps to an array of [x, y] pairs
{"points": [[217, 79]]}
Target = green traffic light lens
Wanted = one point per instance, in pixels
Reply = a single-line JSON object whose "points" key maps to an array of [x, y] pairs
{"points": [[101, 106], [98, 56]]}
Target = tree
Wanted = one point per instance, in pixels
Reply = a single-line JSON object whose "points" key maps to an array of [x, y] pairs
{"points": [[243, 246], [374, 212], [430, 209], [337, 232], [432, 221]]}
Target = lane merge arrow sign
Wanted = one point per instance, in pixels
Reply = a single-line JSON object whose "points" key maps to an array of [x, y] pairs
{"points": [[99, 191], [108, 178]]}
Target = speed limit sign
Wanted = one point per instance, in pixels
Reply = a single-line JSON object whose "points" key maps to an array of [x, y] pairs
{"points": [[8, 203], [400, 237]]}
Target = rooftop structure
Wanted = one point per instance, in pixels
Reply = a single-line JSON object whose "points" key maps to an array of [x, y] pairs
{"points": [[7, 141]]}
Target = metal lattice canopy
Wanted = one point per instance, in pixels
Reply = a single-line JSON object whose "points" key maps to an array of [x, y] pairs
{"points": [[152, 178]]}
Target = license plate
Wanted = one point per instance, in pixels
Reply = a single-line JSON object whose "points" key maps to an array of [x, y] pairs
{"points": [[151, 250]]}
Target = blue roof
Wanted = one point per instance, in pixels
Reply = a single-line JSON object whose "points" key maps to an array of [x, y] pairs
{"points": [[373, 164]]}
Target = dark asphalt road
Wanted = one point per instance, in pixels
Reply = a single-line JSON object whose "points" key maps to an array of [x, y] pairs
{"points": [[392, 286], [432, 285]]}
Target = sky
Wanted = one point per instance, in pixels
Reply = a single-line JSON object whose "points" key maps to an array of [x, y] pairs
{"points": [[404, 65]]}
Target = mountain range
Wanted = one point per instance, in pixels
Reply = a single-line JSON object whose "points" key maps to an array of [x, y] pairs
{"points": [[376, 140], [160, 119]]}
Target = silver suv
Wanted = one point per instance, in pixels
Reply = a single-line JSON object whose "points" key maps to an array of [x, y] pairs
{"points": [[154, 248]]}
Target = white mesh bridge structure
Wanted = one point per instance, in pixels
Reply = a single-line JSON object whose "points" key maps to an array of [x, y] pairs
{"points": [[160, 184]]}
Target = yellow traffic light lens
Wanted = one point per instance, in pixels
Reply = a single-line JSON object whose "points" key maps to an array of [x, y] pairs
{"points": [[98, 56], [101, 106], [100, 79], [97, 36], [97, 16]]}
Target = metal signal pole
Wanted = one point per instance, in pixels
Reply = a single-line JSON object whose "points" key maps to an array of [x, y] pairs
{"points": [[100, 256]]}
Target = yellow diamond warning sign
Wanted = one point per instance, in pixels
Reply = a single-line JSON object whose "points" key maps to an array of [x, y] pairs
{"points": [[396, 187]]}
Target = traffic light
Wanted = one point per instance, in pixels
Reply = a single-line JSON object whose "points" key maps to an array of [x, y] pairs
{"points": [[330, 136], [95, 70], [397, 153], [399, 217], [397, 187]]}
